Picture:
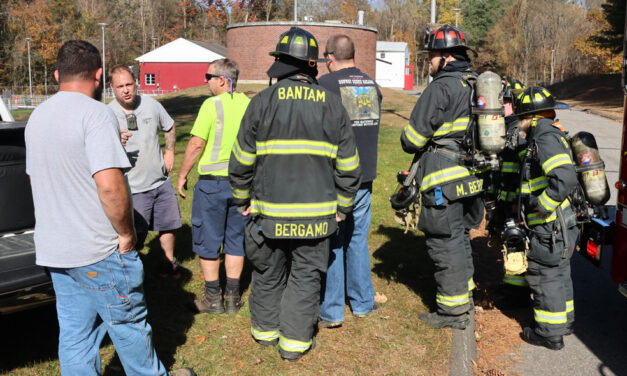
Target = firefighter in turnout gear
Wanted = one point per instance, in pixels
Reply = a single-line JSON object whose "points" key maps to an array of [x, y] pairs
{"points": [[450, 199], [514, 292], [548, 177], [295, 169]]}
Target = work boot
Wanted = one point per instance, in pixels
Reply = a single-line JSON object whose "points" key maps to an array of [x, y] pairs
{"points": [[531, 337], [436, 320], [233, 303], [329, 324], [174, 269], [375, 309], [183, 372], [270, 343], [210, 304], [293, 356]]}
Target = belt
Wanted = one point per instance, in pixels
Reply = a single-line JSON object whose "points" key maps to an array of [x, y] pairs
{"points": [[213, 177]]}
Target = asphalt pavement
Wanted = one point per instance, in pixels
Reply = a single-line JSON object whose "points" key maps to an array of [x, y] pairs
{"points": [[599, 344]]}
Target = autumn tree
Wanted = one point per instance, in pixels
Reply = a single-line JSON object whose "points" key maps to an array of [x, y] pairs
{"points": [[478, 16], [37, 21], [614, 11]]}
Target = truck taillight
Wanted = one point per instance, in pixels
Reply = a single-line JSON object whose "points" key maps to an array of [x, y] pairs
{"points": [[592, 249], [620, 185]]}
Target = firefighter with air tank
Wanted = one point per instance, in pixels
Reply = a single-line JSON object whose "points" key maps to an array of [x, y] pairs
{"points": [[548, 176], [514, 292], [451, 203]]}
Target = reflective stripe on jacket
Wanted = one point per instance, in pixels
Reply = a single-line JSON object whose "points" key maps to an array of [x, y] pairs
{"points": [[549, 178], [295, 161]]}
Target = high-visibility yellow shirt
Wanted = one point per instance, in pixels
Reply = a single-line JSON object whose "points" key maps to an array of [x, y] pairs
{"points": [[217, 123]]}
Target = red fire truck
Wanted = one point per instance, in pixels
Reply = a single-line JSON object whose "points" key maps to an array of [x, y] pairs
{"points": [[619, 257]]}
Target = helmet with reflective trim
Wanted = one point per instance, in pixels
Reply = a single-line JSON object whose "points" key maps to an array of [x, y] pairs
{"points": [[517, 87], [533, 99], [299, 44], [444, 38], [512, 87]]}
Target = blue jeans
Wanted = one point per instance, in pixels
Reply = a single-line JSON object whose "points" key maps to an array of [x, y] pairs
{"points": [[92, 300], [350, 261]]}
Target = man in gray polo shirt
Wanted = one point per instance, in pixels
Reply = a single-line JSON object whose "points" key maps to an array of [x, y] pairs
{"points": [[154, 200], [84, 228]]}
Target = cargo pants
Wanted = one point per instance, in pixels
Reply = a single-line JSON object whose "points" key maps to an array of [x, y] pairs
{"points": [[286, 281], [549, 278], [447, 225]]}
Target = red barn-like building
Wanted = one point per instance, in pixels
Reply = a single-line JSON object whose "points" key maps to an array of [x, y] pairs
{"points": [[177, 65]]}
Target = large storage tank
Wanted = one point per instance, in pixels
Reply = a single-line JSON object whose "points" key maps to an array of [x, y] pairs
{"points": [[249, 43]]}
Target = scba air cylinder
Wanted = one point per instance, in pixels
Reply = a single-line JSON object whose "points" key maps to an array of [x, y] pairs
{"points": [[590, 168], [490, 112]]}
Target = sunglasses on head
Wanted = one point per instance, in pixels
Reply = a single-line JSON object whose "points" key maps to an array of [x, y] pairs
{"points": [[209, 76]]}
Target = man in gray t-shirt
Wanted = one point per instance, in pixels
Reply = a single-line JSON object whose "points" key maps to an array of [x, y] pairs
{"points": [[154, 200], [84, 227]]}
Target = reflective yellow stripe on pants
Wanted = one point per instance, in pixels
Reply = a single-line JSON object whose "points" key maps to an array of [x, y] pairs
{"points": [[456, 300], [293, 345], [547, 317], [264, 336], [516, 280]]}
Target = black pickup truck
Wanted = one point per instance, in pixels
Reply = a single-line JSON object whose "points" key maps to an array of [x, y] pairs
{"points": [[23, 284]]}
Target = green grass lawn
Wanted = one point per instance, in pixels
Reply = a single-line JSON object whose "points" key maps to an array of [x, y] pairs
{"points": [[392, 342]]}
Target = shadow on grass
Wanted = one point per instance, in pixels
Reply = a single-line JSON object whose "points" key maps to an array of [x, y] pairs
{"points": [[168, 302], [488, 262], [403, 258], [29, 337], [170, 307]]}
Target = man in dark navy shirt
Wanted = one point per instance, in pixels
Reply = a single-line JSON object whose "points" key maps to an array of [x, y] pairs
{"points": [[362, 99]]}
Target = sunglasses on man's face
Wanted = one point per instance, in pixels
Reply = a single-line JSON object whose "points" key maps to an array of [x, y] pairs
{"points": [[326, 54], [209, 76]]}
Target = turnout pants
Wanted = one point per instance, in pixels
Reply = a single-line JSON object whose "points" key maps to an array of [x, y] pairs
{"points": [[447, 227], [549, 277], [286, 280]]}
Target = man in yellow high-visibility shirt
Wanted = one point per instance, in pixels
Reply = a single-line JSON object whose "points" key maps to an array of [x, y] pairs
{"points": [[215, 219]]}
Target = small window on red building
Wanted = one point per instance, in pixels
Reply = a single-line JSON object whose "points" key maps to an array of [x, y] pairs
{"points": [[150, 78]]}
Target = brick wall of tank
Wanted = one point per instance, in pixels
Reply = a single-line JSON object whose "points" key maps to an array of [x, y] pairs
{"points": [[249, 46]]}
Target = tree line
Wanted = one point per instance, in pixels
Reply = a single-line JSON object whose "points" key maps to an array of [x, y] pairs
{"points": [[536, 41]]}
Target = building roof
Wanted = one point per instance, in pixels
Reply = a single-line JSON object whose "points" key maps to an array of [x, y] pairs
{"points": [[392, 46], [183, 50], [217, 48]]}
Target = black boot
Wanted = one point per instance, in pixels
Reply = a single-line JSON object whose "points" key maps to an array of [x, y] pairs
{"points": [[435, 320], [531, 337]]}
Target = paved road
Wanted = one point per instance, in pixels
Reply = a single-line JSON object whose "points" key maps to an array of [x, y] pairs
{"points": [[599, 345]]}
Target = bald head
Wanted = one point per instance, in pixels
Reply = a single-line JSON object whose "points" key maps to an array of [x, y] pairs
{"points": [[341, 47]]}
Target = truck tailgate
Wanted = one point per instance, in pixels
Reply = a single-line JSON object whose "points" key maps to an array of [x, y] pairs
{"points": [[17, 263]]}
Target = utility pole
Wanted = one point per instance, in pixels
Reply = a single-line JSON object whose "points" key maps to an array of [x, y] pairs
{"points": [[295, 10], [552, 65], [104, 68], [154, 42], [457, 10], [30, 78], [432, 12]]}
